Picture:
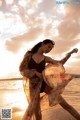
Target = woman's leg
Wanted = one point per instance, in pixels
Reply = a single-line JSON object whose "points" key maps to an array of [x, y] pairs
{"points": [[69, 108], [33, 110], [64, 104], [37, 113]]}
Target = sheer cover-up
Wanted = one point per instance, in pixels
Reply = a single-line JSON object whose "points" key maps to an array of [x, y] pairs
{"points": [[54, 94]]}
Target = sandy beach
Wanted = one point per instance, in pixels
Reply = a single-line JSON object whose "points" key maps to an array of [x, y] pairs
{"points": [[13, 96], [54, 113]]}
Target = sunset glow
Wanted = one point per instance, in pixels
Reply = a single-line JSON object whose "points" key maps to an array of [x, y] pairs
{"points": [[21, 103], [26, 23]]}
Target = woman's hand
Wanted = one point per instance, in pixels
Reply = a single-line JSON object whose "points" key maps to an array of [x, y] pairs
{"points": [[75, 50], [39, 75], [29, 73]]}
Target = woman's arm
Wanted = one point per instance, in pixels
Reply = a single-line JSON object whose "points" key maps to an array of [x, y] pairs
{"points": [[24, 62], [23, 68], [39, 75], [50, 60], [68, 56]]}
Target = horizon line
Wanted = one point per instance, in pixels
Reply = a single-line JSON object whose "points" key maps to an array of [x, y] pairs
{"points": [[20, 78]]}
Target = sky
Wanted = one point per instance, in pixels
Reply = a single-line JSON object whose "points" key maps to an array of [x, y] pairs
{"points": [[24, 23]]}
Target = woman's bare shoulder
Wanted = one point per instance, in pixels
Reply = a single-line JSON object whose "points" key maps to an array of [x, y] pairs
{"points": [[48, 59]]}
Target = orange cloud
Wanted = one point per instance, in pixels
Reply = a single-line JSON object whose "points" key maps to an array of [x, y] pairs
{"points": [[15, 43]]}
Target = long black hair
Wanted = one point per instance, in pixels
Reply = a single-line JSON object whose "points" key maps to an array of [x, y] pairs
{"points": [[37, 46]]}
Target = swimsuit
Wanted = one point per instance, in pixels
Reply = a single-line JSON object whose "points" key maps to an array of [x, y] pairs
{"points": [[39, 67]]}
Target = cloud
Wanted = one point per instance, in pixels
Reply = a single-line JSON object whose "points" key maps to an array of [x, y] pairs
{"points": [[48, 7], [12, 45], [35, 23], [62, 46], [39, 19], [15, 43], [68, 28], [72, 8], [70, 25]]}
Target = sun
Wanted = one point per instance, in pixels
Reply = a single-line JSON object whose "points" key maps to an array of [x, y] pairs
{"points": [[17, 99]]}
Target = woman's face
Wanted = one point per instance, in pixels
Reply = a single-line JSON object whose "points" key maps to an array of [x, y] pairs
{"points": [[47, 47]]}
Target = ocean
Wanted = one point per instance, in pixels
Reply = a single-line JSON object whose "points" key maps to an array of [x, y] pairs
{"points": [[12, 95]]}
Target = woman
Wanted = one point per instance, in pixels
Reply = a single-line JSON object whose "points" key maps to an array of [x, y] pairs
{"points": [[33, 64]]}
